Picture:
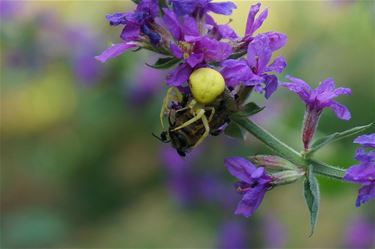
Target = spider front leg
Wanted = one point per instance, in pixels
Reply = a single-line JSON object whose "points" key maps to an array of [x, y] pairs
{"points": [[198, 115], [212, 109], [173, 94], [206, 131]]}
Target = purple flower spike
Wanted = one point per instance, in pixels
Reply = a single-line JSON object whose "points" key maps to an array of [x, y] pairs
{"points": [[360, 233], [366, 140], [254, 183], [316, 100], [363, 173]]}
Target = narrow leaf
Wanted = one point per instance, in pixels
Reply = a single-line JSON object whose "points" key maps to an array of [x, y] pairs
{"points": [[312, 197], [164, 63], [233, 130], [320, 142], [237, 55], [250, 109], [136, 1]]}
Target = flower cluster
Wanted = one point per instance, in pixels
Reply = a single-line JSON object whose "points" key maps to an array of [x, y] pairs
{"points": [[364, 172], [185, 32], [213, 72]]}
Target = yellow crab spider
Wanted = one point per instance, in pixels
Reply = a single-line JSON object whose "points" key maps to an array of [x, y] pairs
{"points": [[206, 85]]}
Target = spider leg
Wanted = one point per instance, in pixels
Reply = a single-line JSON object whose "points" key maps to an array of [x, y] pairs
{"points": [[206, 131], [173, 94], [212, 109], [199, 115]]}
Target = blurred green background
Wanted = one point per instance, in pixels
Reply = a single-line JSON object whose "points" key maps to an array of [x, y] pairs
{"points": [[80, 168]]}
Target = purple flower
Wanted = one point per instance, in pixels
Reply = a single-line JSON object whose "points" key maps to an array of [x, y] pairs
{"points": [[181, 181], [277, 40], [254, 71], [233, 234], [138, 25], [363, 173], [366, 140], [193, 49], [201, 7], [253, 184], [316, 100], [274, 233], [360, 233]]}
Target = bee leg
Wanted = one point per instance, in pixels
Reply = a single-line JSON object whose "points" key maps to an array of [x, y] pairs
{"points": [[206, 132], [172, 94], [198, 116]]}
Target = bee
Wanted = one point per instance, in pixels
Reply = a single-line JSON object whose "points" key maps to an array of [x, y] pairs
{"points": [[192, 118]]}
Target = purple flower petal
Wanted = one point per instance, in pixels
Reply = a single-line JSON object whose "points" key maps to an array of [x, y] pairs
{"points": [[259, 21], [240, 168], [176, 51], [366, 140], [340, 110], [251, 201], [365, 193], [327, 85], [277, 65], [214, 50], [172, 24], [254, 9], [114, 50], [180, 75], [271, 85], [189, 26], [362, 174], [224, 8], [235, 72], [259, 53], [276, 40], [226, 32], [342, 91], [130, 32], [195, 59], [298, 86], [363, 156], [116, 18], [184, 7]]}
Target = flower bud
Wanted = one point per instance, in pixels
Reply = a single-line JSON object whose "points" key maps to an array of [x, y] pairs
{"points": [[272, 162], [310, 124], [287, 176], [206, 84]]}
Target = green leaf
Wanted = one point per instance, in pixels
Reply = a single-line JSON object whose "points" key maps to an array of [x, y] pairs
{"points": [[238, 55], [312, 197], [164, 63], [233, 130], [320, 142], [136, 1], [250, 109]]}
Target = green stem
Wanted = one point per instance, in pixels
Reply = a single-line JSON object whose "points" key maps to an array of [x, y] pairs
{"points": [[274, 143], [285, 151]]}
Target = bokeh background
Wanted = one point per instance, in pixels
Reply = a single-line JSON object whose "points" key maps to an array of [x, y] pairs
{"points": [[80, 168]]}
